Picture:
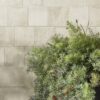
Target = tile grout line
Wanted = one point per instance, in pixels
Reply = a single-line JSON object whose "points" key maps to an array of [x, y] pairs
{"points": [[4, 57]]}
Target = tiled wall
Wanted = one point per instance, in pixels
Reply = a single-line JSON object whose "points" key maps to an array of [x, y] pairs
{"points": [[27, 22]]}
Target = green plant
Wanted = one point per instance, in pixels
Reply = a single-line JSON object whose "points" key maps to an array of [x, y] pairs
{"points": [[67, 68]]}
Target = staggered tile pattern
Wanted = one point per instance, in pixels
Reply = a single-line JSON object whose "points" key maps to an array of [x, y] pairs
{"points": [[24, 23]]}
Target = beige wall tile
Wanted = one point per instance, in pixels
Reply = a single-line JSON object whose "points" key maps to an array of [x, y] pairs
{"points": [[13, 77], [64, 3], [12, 3], [93, 3], [56, 3], [57, 16], [24, 36], [80, 14], [6, 36], [94, 16], [2, 56], [18, 93], [38, 16], [10, 77], [28, 3], [78, 3], [17, 17], [3, 16], [14, 56]]}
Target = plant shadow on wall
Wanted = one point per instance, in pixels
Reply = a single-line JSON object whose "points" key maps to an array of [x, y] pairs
{"points": [[67, 68]]}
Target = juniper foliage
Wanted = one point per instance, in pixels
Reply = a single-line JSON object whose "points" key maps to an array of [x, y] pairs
{"points": [[67, 68]]}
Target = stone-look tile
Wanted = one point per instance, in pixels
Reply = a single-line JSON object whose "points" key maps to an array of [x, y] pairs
{"points": [[80, 14], [11, 3], [17, 96], [3, 16], [24, 36], [57, 16], [1, 56], [11, 77], [43, 35], [93, 3], [64, 3], [17, 17], [56, 3], [78, 3], [1, 97], [17, 93], [94, 16], [15, 76], [6, 36], [38, 16], [28, 3], [14, 56]]}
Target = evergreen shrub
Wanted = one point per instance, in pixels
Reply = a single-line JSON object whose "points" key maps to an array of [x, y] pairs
{"points": [[67, 68]]}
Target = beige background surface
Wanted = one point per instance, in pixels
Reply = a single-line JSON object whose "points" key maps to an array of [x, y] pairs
{"points": [[27, 22]]}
